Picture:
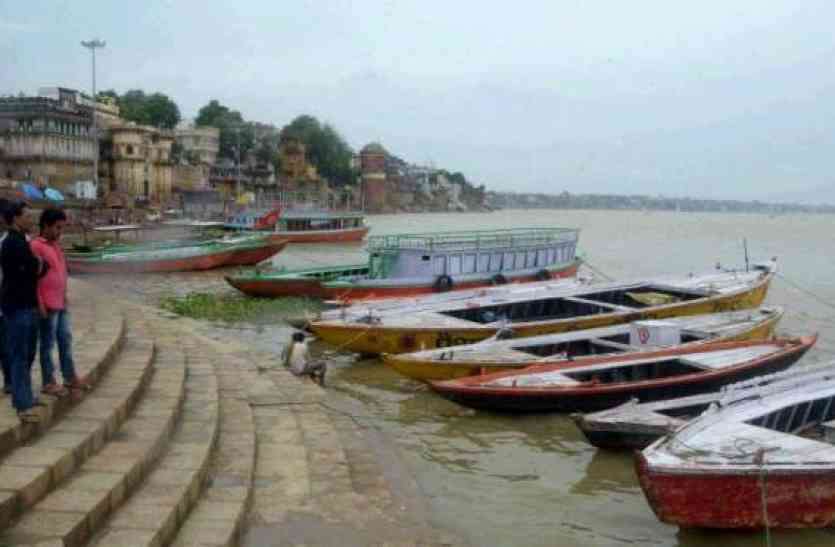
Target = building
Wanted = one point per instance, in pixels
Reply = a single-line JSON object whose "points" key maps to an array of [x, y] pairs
{"points": [[373, 177], [48, 138], [200, 144], [136, 160]]}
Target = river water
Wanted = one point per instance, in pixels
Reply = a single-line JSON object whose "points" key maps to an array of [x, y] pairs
{"points": [[532, 480]]}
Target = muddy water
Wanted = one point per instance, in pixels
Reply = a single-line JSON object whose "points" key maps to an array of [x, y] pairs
{"points": [[532, 480]]}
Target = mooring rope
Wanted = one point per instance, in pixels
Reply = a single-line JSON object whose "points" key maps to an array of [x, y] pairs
{"points": [[818, 298], [760, 459]]}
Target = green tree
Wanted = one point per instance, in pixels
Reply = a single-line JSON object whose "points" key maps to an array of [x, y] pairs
{"points": [[156, 109], [231, 124], [326, 149]]}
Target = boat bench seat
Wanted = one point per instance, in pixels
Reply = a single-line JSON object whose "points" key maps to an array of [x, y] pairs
{"points": [[614, 307], [829, 431]]}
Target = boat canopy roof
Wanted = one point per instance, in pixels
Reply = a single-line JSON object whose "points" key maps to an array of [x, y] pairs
{"points": [[318, 214], [472, 240]]}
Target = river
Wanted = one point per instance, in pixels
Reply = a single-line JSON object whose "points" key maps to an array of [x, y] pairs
{"points": [[532, 480]]}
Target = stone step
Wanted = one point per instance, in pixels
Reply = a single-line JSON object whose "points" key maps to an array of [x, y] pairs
{"points": [[93, 355], [29, 472], [152, 515], [71, 513], [219, 515]]}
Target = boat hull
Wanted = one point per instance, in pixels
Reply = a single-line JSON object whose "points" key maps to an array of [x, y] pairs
{"points": [[360, 293], [312, 287], [592, 398], [188, 264], [245, 256], [794, 498], [434, 370], [375, 339], [250, 257], [324, 236]]}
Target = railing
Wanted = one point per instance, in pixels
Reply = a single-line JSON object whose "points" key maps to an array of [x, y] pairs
{"points": [[473, 240]]}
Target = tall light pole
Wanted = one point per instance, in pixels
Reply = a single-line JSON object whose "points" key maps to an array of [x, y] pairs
{"points": [[92, 45]]}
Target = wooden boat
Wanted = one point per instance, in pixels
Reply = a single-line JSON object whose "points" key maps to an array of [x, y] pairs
{"points": [[303, 225], [607, 381], [494, 355], [536, 308], [415, 264], [766, 460], [308, 282], [636, 425], [178, 257]]}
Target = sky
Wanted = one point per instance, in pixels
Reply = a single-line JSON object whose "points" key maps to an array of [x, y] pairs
{"points": [[709, 99]]}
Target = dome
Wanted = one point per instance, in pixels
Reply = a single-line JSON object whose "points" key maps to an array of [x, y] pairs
{"points": [[373, 148]]}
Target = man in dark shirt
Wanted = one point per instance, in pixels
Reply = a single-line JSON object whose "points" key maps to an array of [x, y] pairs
{"points": [[21, 270], [4, 362]]}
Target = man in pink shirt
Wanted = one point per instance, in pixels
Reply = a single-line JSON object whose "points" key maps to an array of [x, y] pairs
{"points": [[52, 297]]}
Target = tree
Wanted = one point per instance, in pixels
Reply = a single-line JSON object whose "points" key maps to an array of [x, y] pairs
{"points": [[156, 109], [230, 123], [326, 149]]}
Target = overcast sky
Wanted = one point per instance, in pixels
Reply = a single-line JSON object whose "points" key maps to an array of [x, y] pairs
{"points": [[711, 98]]}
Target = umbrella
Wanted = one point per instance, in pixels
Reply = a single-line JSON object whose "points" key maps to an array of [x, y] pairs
{"points": [[31, 192], [53, 194]]}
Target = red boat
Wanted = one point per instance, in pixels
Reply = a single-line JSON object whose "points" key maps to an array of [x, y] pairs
{"points": [[611, 380], [765, 460]]}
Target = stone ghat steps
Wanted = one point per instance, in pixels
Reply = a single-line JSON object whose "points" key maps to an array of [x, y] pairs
{"points": [[83, 466], [99, 341], [153, 514], [218, 518], [29, 472]]}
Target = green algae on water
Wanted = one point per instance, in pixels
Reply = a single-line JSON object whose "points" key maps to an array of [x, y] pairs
{"points": [[235, 308]]}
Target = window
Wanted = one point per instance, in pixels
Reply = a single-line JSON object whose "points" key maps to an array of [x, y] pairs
{"points": [[521, 261], [129, 149], [439, 265], [425, 258], [509, 262], [484, 262], [495, 262], [530, 260], [542, 257], [469, 264], [455, 264]]}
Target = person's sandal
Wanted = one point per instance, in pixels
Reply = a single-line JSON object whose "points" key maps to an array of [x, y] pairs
{"points": [[82, 384], [54, 390], [30, 416]]}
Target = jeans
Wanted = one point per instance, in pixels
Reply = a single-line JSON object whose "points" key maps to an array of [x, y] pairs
{"points": [[4, 358], [22, 338], [56, 326]]}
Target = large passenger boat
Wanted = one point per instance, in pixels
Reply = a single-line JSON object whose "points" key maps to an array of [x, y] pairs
{"points": [[535, 308], [413, 264], [302, 225]]}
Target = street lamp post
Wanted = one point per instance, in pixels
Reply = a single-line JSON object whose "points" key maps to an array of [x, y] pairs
{"points": [[92, 45], [238, 150]]}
